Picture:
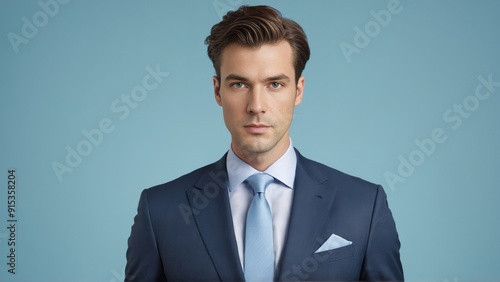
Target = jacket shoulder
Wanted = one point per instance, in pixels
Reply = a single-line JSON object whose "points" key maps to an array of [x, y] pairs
{"points": [[336, 177], [347, 185], [186, 181]]}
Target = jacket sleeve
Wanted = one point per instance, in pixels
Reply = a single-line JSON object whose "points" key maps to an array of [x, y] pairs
{"points": [[143, 259], [382, 260]]}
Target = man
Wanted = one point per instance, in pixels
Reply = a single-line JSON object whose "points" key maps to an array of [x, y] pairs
{"points": [[262, 212]]}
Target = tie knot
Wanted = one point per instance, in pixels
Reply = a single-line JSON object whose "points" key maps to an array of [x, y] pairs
{"points": [[260, 181]]}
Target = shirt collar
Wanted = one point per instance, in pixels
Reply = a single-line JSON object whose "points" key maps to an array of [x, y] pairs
{"points": [[283, 169]]}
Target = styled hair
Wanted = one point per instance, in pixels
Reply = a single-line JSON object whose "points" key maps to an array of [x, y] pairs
{"points": [[254, 26]]}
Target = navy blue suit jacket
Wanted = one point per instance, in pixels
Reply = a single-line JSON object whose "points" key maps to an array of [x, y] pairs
{"points": [[183, 230]]}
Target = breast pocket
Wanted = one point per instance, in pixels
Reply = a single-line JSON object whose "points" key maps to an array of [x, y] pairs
{"points": [[335, 254]]}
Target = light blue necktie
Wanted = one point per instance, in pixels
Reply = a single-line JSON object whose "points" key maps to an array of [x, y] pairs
{"points": [[259, 247]]}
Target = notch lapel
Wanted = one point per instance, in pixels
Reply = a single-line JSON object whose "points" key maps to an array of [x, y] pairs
{"points": [[209, 201], [312, 201]]}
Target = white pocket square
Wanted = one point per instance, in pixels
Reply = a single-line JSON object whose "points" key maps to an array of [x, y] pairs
{"points": [[334, 242]]}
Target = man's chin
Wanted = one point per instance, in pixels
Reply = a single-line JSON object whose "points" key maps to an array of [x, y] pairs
{"points": [[255, 147]]}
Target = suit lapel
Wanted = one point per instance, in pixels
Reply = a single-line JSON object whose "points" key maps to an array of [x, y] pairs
{"points": [[212, 213], [312, 201]]}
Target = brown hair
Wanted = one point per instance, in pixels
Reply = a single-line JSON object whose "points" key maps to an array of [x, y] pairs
{"points": [[254, 26]]}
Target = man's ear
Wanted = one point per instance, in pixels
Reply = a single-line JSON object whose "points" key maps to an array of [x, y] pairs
{"points": [[218, 98], [300, 90]]}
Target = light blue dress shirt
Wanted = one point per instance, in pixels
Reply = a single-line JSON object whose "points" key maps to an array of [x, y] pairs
{"points": [[279, 194]]}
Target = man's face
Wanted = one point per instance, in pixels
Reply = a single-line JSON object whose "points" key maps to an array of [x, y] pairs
{"points": [[258, 93]]}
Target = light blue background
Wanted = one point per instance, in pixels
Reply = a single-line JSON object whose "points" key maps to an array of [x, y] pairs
{"points": [[356, 116]]}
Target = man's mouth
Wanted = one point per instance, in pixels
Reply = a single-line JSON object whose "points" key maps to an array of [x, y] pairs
{"points": [[257, 128]]}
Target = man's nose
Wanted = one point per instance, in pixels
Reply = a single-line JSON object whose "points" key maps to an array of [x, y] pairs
{"points": [[256, 101]]}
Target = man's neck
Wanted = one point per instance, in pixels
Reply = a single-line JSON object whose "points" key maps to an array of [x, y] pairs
{"points": [[262, 160]]}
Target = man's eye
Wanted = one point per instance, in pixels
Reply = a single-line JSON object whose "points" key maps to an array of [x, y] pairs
{"points": [[238, 85], [276, 85]]}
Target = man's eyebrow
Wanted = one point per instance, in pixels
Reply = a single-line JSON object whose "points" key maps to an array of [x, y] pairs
{"points": [[235, 77], [278, 77], [271, 78]]}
